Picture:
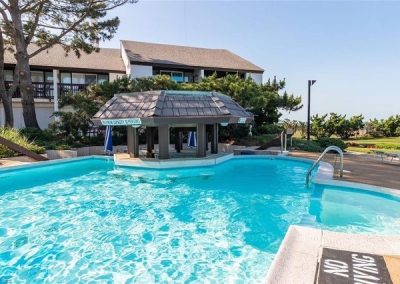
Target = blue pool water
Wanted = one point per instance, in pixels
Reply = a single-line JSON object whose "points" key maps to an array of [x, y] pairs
{"points": [[88, 220]]}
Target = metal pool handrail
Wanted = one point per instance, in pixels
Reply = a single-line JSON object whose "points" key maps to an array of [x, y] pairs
{"points": [[327, 149]]}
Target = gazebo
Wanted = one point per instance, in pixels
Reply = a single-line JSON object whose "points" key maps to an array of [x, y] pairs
{"points": [[164, 110]]}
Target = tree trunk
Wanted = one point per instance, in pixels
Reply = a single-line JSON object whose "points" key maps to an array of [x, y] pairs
{"points": [[24, 72], [6, 98]]}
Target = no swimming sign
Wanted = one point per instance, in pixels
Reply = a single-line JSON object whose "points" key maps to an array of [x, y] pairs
{"points": [[346, 267]]}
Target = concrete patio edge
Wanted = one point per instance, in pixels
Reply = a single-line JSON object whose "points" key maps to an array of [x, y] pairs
{"points": [[298, 256]]}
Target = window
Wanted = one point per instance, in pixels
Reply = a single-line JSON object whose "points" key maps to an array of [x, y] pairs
{"points": [[82, 78], [176, 76], [188, 77], [48, 77], [78, 78], [66, 78], [90, 79], [8, 75], [101, 78], [37, 76]]}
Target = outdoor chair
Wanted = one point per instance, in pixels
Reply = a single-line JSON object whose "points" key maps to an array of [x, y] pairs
{"points": [[393, 156]]}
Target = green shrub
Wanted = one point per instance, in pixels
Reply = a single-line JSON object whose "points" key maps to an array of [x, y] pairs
{"points": [[389, 127], [325, 142], [233, 132], [336, 124], [38, 136], [17, 137], [269, 129], [308, 146], [255, 140]]}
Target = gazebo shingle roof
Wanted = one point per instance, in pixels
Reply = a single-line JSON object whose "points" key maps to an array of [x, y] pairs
{"points": [[177, 105]]}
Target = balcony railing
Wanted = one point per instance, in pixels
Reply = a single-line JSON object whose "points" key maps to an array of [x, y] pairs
{"points": [[46, 90]]}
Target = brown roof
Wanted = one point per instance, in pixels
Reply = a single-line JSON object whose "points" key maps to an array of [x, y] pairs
{"points": [[184, 105], [107, 59], [174, 55]]}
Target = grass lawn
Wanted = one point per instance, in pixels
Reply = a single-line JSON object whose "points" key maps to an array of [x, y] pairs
{"points": [[368, 145], [370, 150]]}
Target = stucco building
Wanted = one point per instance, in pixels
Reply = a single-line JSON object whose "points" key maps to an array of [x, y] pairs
{"points": [[54, 72]]}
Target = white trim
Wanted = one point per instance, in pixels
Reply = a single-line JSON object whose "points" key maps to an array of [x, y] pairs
{"points": [[55, 92]]}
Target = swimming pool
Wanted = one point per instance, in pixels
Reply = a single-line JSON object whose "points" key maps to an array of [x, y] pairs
{"points": [[89, 220]]}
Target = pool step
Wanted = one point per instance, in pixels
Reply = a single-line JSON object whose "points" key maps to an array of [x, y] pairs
{"points": [[308, 220]]}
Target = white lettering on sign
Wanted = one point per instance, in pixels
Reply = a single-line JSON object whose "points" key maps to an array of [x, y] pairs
{"points": [[242, 120], [363, 266], [124, 121], [336, 267]]}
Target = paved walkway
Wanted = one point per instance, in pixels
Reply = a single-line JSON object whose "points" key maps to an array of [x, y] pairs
{"points": [[365, 169]]}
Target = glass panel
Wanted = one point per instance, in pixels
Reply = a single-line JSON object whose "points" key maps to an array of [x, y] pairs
{"points": [[101, 78], [78, 78], [8, 75], [90, 79], [37, 76], [66, 78], [48, 77], [188, 77], [177, 76]]}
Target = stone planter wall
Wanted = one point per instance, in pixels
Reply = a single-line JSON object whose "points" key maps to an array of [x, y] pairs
{"points": [[61, 154], [98, 150]]}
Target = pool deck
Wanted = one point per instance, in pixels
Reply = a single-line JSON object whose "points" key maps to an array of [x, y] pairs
{"points": [[363, 168], [299, 254], [15, 161]]}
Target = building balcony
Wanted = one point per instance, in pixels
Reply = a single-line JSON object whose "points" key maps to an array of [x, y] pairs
{"points": [[46, 90]]}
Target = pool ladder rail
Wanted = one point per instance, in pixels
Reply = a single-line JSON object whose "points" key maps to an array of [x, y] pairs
{"points": [[315, 164]]}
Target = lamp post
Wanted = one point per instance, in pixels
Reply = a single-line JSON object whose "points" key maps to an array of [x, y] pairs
{"points": [[310, 83]]}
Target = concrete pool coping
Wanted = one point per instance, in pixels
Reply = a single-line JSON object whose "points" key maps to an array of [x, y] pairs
{"points": [[300, 251], [52, 162]]}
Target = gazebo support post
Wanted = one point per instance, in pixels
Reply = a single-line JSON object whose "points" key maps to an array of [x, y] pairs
{"points": [[201, 140], [178, 141], [214, 139], [133, 141], [163, 141], [150, 142], [180, 136]]}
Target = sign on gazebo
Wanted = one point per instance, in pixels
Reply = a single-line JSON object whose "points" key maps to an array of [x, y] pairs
{"points": [[127, 121]]}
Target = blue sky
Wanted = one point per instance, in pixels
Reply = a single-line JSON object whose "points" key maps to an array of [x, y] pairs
{"points": [[352, 49]]}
